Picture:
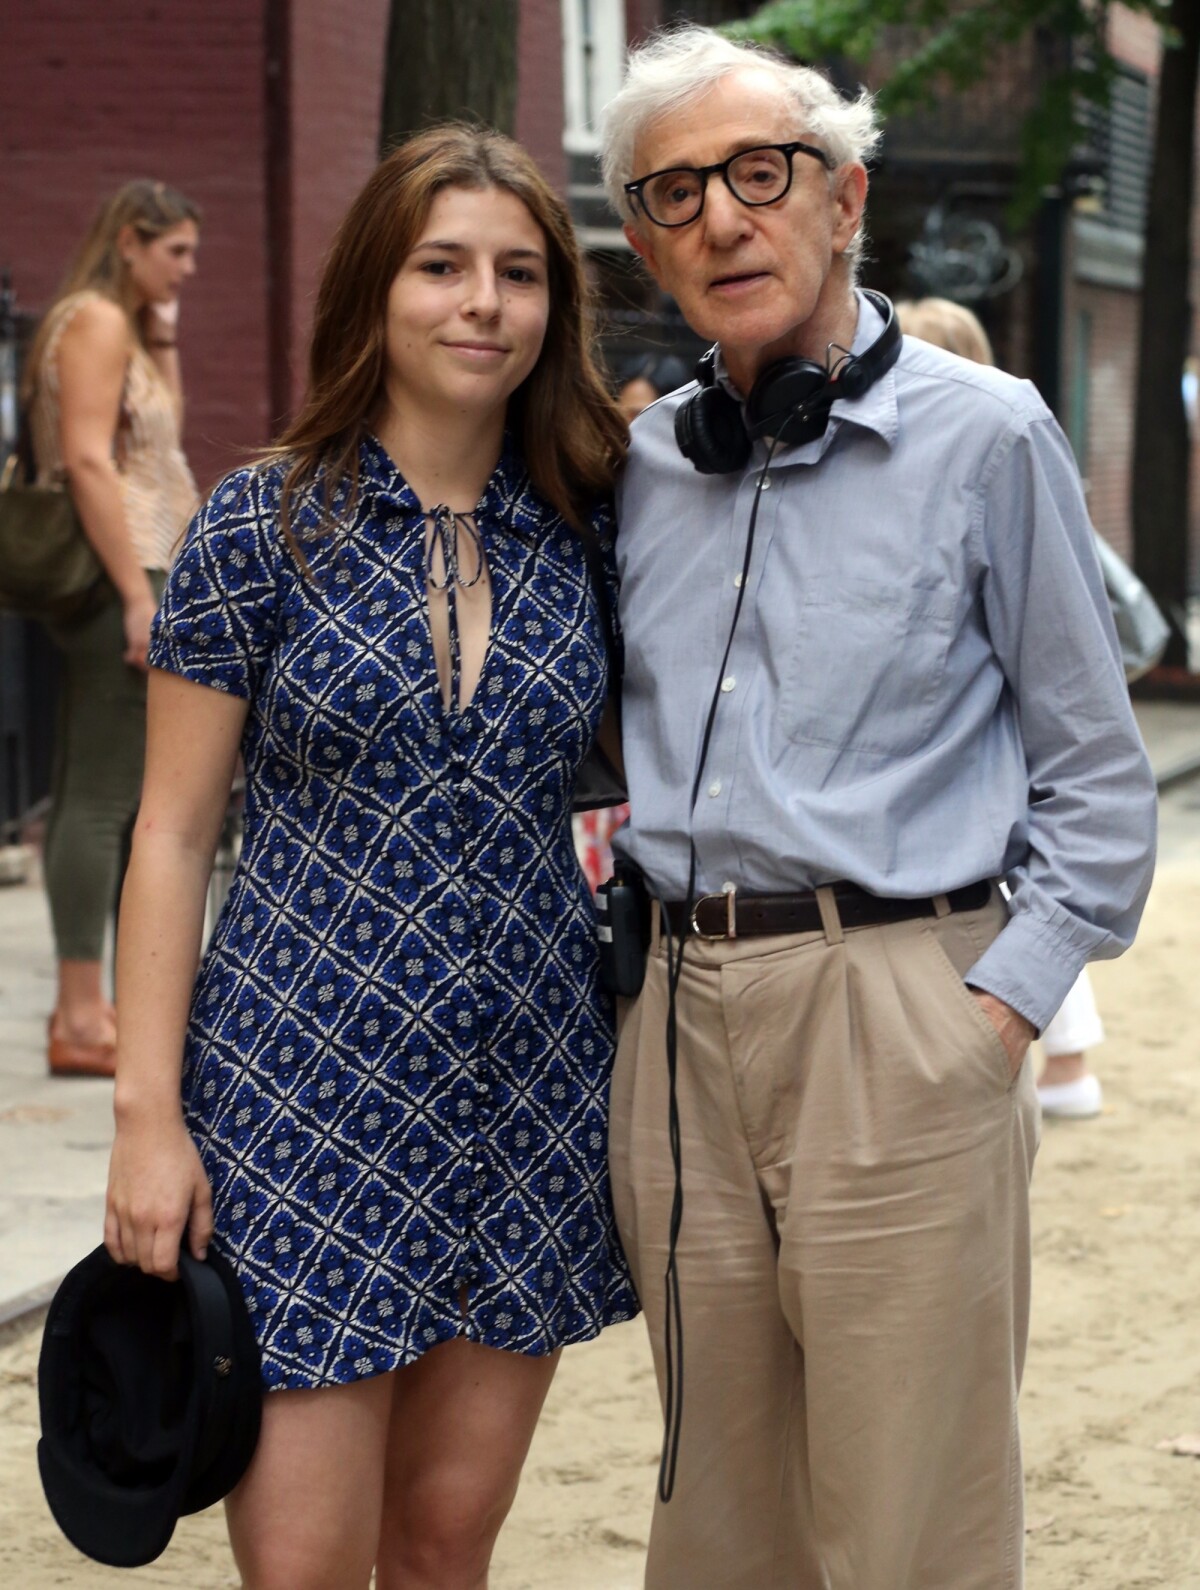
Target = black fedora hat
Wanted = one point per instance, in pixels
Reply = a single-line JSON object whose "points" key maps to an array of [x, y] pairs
{"points": [[150, 1394]]}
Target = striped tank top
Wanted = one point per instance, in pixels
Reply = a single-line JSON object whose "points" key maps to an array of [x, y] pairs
{"points": [[157, 490]]}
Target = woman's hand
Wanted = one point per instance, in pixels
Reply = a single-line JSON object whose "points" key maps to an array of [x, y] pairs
{"points": [[157, 1189], [137, 617], [159, 325], [160, 322]]}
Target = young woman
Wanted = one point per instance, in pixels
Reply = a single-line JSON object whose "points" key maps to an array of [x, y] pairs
{"points": [[105, 406], [395, 1070]]}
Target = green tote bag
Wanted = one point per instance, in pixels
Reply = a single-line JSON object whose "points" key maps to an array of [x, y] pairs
{"points": [[48, 568]]}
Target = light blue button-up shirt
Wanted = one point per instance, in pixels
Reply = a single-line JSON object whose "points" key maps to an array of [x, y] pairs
{"points": [[925, 687]]}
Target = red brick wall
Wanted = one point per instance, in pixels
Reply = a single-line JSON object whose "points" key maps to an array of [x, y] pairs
{"points": [[540, 87], [1111, 384], [1133, 38], [266, 114], [91, 96], [336, 53], [1114, 334], [641, 17]]}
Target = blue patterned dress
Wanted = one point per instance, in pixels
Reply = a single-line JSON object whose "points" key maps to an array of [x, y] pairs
{"points": [[398, 1057]]}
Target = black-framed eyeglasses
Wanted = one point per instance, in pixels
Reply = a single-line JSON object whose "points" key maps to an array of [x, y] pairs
{"points": [[754, 176]]}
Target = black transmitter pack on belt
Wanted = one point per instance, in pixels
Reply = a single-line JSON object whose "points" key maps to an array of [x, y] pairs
{"points": [[623, 929]]}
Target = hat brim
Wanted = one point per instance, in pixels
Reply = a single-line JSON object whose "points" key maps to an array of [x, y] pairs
{"points": [[123, 1526], [109, 1523], [127, 1525]]}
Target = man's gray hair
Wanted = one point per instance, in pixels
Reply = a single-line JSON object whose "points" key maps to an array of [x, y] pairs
{"points": [[681, 64]]}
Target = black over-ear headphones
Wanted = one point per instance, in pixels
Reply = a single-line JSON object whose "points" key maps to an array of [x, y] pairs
{"points": [[790, 400]]}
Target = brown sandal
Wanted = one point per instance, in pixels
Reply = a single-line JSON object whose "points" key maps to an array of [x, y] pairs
{"points": [[81, 1059]]}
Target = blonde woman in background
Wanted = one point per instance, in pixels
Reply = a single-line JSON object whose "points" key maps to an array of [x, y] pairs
{"points": [[105, 405], [1066, 1086], [947, 325]]}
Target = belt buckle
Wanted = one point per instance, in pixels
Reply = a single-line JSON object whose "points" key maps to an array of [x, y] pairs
{"points": [[729, 897]]}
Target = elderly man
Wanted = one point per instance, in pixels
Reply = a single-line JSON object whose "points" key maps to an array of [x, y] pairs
{"points": [[870, 672]]}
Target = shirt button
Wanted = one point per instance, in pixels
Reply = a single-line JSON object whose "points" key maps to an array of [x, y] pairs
{"points": [[737, 582], [766, 483], [714, 789], [728, 888], [728, 683]]}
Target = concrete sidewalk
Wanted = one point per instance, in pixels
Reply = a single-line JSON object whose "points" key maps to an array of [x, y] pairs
{"points": [[55, 1133]]}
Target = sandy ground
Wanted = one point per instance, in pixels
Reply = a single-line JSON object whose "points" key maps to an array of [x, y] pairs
{"points": [[1114, 1362]]}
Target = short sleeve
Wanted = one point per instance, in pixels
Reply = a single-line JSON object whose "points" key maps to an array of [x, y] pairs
{"points": [[216, 623]]}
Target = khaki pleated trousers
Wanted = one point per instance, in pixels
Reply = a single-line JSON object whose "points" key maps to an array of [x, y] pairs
{"points": [[854, 1258]]}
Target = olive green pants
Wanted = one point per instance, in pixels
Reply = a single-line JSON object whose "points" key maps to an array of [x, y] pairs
{"points": [[100, 744]]}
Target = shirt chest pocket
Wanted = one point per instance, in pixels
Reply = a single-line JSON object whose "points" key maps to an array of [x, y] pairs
{"points": [[865, 664]]}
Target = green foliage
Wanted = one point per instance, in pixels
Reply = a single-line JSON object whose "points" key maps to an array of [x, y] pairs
{"points": [[955, 43]]}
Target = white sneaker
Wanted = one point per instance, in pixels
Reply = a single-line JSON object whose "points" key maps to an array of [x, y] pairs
{"points": [[1072, 1100]]}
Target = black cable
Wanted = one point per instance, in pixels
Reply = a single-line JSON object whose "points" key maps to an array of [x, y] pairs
{"points": [[673, 1337], [673, 1323]]}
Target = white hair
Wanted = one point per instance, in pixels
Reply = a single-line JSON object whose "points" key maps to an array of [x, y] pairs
{"points": [[682, 64]]}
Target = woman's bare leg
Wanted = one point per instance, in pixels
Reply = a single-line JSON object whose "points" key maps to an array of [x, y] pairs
{"points": [[82, 1011], [306, 1514], [462, 1420]]}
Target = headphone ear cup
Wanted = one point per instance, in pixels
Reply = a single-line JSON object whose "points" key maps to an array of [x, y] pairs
{"points": [[710, 432], [782, 389], [853, 379]]}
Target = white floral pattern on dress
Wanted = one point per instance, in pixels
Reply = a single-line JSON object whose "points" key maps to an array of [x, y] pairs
{"points": [[398, 1057]]}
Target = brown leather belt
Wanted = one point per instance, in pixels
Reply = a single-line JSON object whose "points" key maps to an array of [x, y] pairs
{"points": [[736, 916]]}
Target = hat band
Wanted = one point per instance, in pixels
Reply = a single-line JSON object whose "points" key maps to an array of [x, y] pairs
{"points": [[215, 1379]]}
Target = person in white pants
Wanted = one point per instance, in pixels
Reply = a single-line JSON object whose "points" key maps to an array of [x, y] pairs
{"points": [[1066, 1087]]}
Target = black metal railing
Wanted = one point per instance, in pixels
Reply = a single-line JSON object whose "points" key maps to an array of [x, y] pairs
{"points": [[28, 664]]}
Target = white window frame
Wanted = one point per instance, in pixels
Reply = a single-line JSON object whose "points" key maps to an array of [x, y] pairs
{"points": [[593, 33]]}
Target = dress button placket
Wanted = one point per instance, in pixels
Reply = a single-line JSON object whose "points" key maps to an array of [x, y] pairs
{"points": [[470, 1236]]}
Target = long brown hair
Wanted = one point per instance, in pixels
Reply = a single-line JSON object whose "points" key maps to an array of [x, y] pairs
{"points": [[150, 208], [570, 431]]}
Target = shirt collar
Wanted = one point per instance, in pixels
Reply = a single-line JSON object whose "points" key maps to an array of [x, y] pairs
{"points": [[379, 478], [876, 410], [508, 498]]}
